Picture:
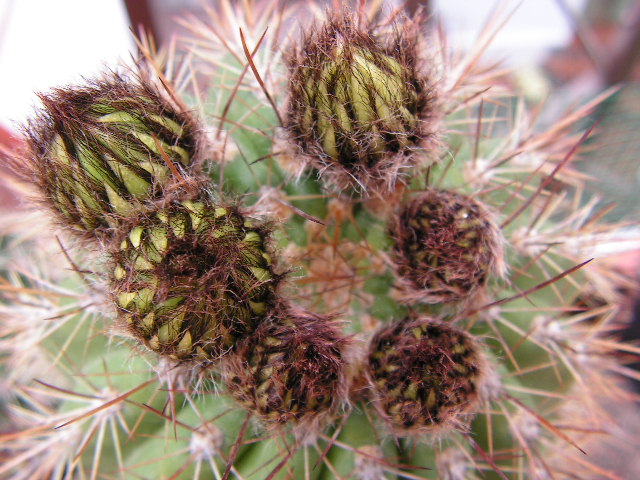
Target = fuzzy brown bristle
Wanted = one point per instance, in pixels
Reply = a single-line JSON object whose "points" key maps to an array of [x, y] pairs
{"points": [[193, 277], [445, 247], [100, 151], [424, 375], [291, 370], [360, 106]]}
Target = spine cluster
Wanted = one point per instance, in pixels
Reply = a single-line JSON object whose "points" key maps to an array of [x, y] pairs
{"points": [[291, 369], [360, 108], [424, 374], [191, 276], [103, 151], [445, 247]]}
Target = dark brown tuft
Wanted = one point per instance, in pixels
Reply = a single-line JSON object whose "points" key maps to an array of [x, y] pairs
{"points": [[445, 247], [424, 374], [103, 150], [291, 370], [192, 278]]}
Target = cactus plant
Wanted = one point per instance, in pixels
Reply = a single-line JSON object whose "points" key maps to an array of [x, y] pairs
{"points": [[382, 276]]}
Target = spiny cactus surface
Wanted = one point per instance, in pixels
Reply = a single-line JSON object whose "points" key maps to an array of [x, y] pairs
{"points": [[359, 104], [103, 150], [382, 276], [424, 374], [191, 277]]}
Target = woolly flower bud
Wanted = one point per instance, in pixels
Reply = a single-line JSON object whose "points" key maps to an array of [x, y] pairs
{"points": [[424, 374], [191, 278], [99, 151], [445, 247], [291, 370], [358, 106]]}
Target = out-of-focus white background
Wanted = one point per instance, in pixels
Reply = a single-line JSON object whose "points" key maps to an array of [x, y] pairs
{"points": [[45, 43], [535, 26]]}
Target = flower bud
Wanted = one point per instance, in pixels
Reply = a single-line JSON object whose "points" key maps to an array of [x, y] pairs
{"points": [[290, 370], [358, 105], [192, 278], [424, 374], [445, 247], [101, 151]]}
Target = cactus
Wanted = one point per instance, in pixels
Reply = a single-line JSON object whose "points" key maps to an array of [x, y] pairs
{"points": [[382, 273]]}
